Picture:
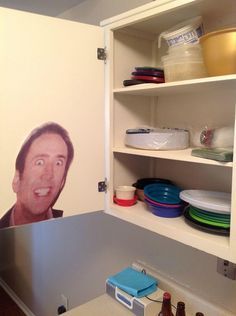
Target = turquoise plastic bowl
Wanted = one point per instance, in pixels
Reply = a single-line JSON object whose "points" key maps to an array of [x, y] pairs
{"points": [[163, 193]]}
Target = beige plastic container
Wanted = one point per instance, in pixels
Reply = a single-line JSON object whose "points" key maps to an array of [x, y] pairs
{"points": [[184, 62], [125, 192], [183, 68]]}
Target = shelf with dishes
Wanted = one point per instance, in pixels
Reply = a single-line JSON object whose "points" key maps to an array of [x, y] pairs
{"points": [[173, 219], [174, 228], [181, 87], [177, 221]]}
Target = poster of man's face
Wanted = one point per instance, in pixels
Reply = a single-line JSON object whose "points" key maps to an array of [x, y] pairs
{"points": [[40, 174]]}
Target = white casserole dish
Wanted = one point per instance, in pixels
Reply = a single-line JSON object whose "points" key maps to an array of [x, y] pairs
{"points": [[158, 139]]}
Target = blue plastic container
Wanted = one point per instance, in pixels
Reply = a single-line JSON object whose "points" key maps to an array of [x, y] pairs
{"points": [[163, 193], [167, 212]]}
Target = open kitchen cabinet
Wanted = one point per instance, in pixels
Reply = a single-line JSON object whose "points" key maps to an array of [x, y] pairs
{"points": [[43, 78], [131, 40]]}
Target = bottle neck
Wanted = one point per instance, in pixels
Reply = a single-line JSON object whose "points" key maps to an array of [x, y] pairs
{"points": [[166, 307], [180, 309]]}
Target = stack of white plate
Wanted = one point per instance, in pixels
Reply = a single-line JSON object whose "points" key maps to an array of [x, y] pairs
{"points": [[208, 210]]}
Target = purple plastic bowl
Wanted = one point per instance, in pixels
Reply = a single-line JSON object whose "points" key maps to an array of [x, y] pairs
{"points": [[154, 203]]}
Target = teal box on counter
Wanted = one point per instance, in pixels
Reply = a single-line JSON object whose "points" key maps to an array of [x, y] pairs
{"points": [[135, 290]]}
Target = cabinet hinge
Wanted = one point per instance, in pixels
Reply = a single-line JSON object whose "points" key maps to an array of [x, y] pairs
{"points": [[102, 186], [226, 268], [102, 54]]}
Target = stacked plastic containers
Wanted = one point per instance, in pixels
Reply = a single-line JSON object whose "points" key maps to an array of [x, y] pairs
{"points": [[163, 200], [184, 57]]}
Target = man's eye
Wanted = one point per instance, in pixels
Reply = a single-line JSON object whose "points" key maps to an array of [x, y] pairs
{"points": [[39, 162], [59, 162]]}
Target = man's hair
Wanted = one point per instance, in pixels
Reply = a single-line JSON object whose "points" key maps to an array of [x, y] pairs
{"points": [[48, 128]]}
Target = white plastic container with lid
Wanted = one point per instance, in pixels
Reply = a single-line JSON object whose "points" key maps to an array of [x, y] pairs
{"points": [[185, 32], [183, 68], [159, 139], [183, 62]]}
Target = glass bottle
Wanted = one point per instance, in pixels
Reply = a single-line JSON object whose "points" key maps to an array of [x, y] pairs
{"points": [[180, 311], [166, 309], [199, 314]]}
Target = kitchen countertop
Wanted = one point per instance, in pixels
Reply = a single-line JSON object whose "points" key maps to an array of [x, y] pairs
{"points": [[103, 305]]}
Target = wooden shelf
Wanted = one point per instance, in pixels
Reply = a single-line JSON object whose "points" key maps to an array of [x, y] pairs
{"points": [[180, 155], [179, 87], [174, 228]]}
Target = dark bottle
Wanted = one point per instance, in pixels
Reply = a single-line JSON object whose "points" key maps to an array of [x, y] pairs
{"points": [[199, 314], [180, 311], [166, 305]]}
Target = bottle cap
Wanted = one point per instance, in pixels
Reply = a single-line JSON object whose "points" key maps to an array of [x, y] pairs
{"points": [[167, 296], [181, 305]]}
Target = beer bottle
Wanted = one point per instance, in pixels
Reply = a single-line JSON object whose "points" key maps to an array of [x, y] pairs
{"points": [[180, 311], [166, 309]]}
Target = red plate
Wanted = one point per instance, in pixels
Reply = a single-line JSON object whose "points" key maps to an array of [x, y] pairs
{"points": [[149, 74], [149, 79], [125, 202]]}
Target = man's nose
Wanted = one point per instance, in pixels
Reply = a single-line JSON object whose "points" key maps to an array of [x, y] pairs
{"points": [[48, 172]]}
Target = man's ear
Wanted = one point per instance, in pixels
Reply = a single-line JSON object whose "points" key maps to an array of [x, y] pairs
{"points": [[16, 181]]}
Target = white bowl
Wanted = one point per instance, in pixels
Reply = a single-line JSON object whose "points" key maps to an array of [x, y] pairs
{"points": [[125, 192]]}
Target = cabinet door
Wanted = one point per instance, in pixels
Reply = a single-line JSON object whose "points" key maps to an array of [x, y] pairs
{"points": [[50, 73]]}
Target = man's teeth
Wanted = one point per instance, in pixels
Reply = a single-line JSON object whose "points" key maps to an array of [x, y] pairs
{"points": [[42, 192]]}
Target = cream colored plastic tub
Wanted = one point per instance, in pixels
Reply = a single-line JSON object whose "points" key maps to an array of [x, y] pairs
{"points": [[183, 68]]}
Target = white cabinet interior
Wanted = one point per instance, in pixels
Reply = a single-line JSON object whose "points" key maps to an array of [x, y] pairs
{"points": [[131, 40]]}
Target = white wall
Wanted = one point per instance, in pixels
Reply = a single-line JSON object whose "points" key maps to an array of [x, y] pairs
{"points": [[74, 256], [94, 11]]}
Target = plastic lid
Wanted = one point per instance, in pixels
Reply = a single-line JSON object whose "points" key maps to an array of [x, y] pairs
{"points": [[180, 28], [208, 200]]}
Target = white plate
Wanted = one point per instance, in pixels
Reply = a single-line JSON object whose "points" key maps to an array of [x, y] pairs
{"points": [[212, 201]]}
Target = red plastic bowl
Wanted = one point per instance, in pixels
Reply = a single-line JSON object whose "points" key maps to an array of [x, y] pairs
{"points": [[125, 202]]}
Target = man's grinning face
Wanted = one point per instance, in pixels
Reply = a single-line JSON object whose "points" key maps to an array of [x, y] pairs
{"points": [[43, 176]]}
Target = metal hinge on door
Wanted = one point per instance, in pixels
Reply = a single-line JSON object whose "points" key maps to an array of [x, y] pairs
{"points": [[102, 186], [102, 54]]}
